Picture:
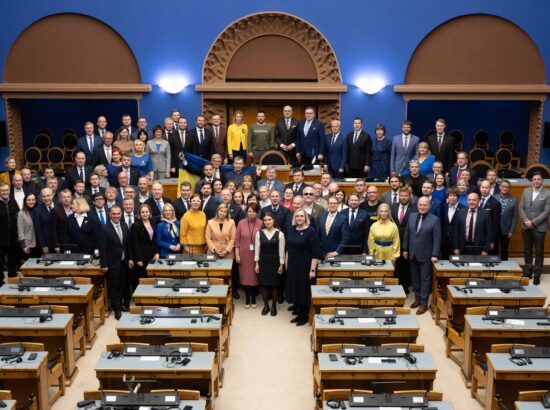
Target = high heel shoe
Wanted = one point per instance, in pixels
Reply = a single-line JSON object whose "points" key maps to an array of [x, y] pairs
{"points": [[274, 310]]}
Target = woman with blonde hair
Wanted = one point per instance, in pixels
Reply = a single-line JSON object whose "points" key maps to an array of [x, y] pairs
{"points": [[237, 137], [220, 233], [247, 188], [168, 232], [384, 236], [424, 158], [103, 175], [193, 227], [82, 229], [141, 160]]}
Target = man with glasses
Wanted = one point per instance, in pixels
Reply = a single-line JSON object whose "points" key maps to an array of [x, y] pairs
{"points": [[98, 210], [311, 208]]}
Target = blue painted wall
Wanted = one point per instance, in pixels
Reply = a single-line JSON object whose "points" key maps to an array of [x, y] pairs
{"points": [[368, 36]]}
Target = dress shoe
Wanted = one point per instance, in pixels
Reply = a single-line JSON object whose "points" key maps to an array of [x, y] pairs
{"points": [[296, 319], [236, 294], [265, 310], [292, 308], [274, 310], [536, 280], [415, 304], [526, 275], [422, 309], [296, 312], [125, 308], [302, 321], [281, 299], [118, 314]]}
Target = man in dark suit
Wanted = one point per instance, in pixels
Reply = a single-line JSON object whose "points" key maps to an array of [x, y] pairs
{"points": [[207, 176], [157, 200], [78, 172], [357, 221], [435, 205], [235, 211], [421, 244], [298, 185], [179, 142], [449, 211], [182, 204], [219, 137], [359, 150], [400, 212], [490, 204], [285, 134], [60, 234], [202, 138], [103, 153], [461, 165], [29, 186], [271, 181], [333, 230], [336, 151], [132, 173], [491, 176], [94, 185], [88, 142], [112, 255], [508, 217], [98, 210], [442, 145], [209, 205], [42, 221], [279, 212], [169, 129], [9, 245], [310, 138], [473, 231], [101, 126]]}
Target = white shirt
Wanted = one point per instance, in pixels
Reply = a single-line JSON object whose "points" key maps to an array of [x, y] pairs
{"points": [[308, 209], [80, 219], [451, 211], [108, 152], [535, 194], [406, 140], [19, 196], [126, 218]]}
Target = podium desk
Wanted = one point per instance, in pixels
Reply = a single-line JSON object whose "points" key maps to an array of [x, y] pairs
{"points": [[78, 300], [199, 374], [32, 268], [354, 270], [507, 379], [220, 268], [217, 295], [26, 378], [356, 330], [444, 270], [55, 333], [338, 374], [480, 334]]}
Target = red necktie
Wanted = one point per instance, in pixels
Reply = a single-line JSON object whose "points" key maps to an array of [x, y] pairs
{"points": [[401, 215]]}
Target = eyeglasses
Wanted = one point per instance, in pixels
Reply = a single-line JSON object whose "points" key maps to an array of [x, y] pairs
{"points": [[308, 193]]}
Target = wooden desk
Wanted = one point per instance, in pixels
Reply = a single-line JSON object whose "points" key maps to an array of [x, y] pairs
{"points": [[508, 379], [195, 405], [199, 374], [355, 270], [353, 330], [218, 295], [55, 333], [457, 302], [338, 374], [171, 189], [32, 268], [78, 301], [218, 269], [481, 334], [444, 270], [440, 405], [26, 378]]}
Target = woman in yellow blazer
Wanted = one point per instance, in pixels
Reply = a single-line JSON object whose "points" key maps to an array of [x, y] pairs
{"points": [[237, 137], [11, 165], [220, 233], [192, 227]]}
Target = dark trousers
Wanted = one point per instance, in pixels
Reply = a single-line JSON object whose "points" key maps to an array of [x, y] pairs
{"points": [[235, 280], [471, 249], [12, 253], [117, 283], [356, 173], [290, 156], [307, 160], [403, 272], [421, 279], [531, 238], [240, 153], [504, 243], [335, 173]]}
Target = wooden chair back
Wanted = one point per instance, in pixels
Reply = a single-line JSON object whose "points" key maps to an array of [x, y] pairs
{"points": [[413, 347], [5, 395], [29, 346], [183, 394], [432, 395], [480, 310], [99, 394], [197, 347], [120, 346], [505, 347], [342, 394], [532, 395], [54, 308], [337, 347]]}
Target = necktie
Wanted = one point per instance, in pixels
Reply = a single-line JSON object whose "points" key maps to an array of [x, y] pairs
{"points": [[129, 223], [406, 143], [127, 170], [401, 215], [503, 203], [81, 174], [306, 127], [482, 204], [471, 226], [355, 137], [328, 224], [120, 237], [287, 121], [101, 217], [108, 155], [182, 138], [295, 187], [216, 132], [91, 143], [458, 174], [439, 141], [333, 139], [159, 205], [274, 210], [101, 133], [352, 217], [394, 198], [269, 185], [200, 136], [186, 204], [419, 222], [50, 208]]}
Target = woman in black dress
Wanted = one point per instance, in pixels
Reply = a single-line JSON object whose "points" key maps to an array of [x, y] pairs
{"points": [[302, 251], [142, 246], [270, 260]]}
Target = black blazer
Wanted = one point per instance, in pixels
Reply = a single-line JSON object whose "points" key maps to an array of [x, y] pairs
{"points": [[134, 176], [99, 156], [448, 226], [180, 208], [8, 222], [359, 154], [71, 176], [59, 229], [236, 213], [141, 248], [176, 148], [41, 218], [395, 215], [85, 236], [153, 204], [282, 216], [110, 248], [493, 206], [206, 149], [482, 230], [447, 154], [167, 135], [211, 208], [95, 216], [358, 234], [300, 189], [284, 136]]}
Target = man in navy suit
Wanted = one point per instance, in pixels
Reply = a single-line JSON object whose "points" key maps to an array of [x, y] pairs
{"points": [[400, 213], [357, 221], [336, 150], [421, 244], [157, 200], [209, 205], [333, 230], [359, 150], [310, 139], [98, 210], [279, 212], [202, 138], [112, 255], [103, 153], [508, 217], [42, 221], [461, 165], [488, 203], [88, 142], [435, 205], [101, 126], [132, 173], [449, 211], [473, 231], [403, 148], [182, 204]]}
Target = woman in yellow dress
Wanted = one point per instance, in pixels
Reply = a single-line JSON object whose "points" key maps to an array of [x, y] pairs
{"points": [[384, 236], [193, 228], [237, 137]]}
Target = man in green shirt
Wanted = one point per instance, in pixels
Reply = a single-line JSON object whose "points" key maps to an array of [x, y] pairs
{"points": [[261, 138]]}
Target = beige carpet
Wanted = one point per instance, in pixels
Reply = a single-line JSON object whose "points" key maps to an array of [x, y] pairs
{"points": [[270, 363]]}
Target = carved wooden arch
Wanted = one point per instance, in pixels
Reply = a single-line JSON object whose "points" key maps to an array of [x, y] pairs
{"points": [[326, 89]]}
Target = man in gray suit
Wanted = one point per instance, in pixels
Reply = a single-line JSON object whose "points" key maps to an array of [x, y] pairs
{"points": [[508, 217], [271, 181], [534, 211], [403, 148], [421, 245]]}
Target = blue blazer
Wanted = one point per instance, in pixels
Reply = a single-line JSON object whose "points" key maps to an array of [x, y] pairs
{"points": [[82, 145], [338, 236], [165, 240], [358, 230], [336, 156], [399, 158], [425, 244], [435, 207], [313, 143]]}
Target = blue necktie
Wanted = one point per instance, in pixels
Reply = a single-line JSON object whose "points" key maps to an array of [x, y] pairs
{"points": [[101, 217]]}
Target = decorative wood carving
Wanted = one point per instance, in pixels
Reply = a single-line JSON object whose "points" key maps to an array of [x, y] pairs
{"points": [[535, 132], [213, 107], [15, 130], [328, 111]]}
